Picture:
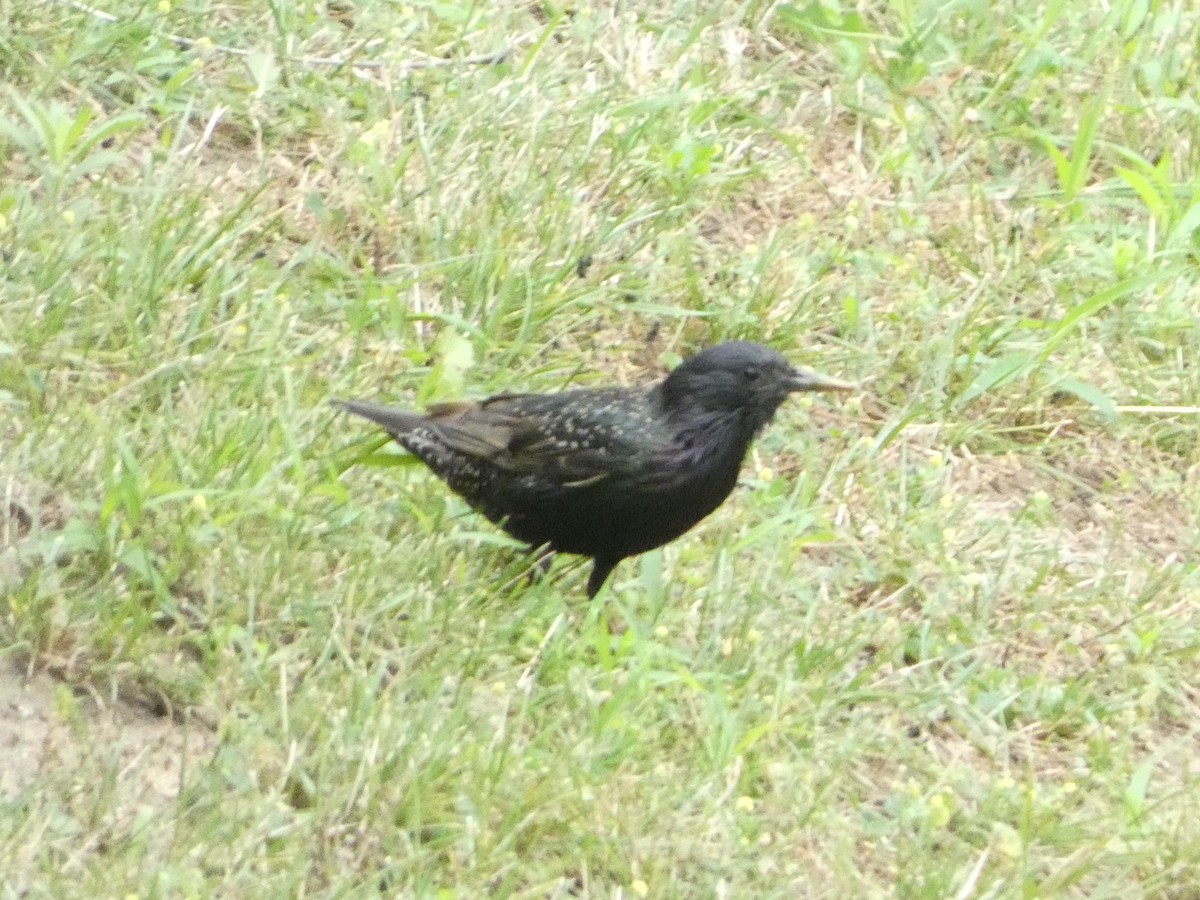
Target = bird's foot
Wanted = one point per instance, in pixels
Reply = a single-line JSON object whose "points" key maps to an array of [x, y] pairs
{"points": [[543, 560]]}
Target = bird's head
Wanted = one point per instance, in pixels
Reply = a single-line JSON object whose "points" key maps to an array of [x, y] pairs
{"points": [[742, 379]]}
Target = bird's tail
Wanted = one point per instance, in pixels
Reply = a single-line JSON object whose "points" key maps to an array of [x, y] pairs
{"points": [[396, 421]]}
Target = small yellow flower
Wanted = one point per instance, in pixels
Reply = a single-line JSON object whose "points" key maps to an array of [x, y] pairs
{"points": [[939, 811], [745, 804], [499, 687], [69, 216], [1070, 787], [199, 503], [164, 7], [1007, 840], [3, 222], [639, 887], [661, 632]]}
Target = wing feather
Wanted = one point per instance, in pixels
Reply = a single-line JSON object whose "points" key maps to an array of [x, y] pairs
{"points": [[559, 445]]}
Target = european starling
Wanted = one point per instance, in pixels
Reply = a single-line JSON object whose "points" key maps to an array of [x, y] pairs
{"points": [[605, 472]]}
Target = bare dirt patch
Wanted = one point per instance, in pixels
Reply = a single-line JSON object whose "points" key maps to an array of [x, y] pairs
{"points": [[1083, 498], [45, 729], [1097, 507], [49, 727], [27, 507]]}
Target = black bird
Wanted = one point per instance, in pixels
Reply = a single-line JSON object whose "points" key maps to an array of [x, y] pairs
{"points": [[605, 472]]}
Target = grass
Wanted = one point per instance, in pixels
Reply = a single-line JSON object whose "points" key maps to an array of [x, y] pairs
{"points": [[942, 641]]}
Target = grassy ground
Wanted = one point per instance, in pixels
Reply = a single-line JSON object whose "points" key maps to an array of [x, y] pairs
{"points": [[941, 643]]}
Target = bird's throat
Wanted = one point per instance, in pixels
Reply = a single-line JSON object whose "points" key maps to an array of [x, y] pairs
{"points": [[717, 438]]}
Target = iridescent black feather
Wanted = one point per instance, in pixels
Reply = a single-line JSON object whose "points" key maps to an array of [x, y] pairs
{"points": [[607, 472]]}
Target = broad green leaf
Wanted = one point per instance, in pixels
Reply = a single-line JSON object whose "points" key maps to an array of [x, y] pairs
{"points": [[263, 69], [1089, 394], [1093, 305], [453, 357], [997, 373], [1146, 190]]}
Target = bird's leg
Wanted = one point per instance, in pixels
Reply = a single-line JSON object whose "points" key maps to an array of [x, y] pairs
{"points": [[543, 559], [601, 569]]}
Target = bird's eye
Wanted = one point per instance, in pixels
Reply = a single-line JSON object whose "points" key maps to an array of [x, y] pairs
{"points": [[751, 373]]}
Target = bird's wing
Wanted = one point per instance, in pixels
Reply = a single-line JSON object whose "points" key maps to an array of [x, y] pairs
{"points": [[603, 435], [563, 442], [472, 428], [531, 452]]}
